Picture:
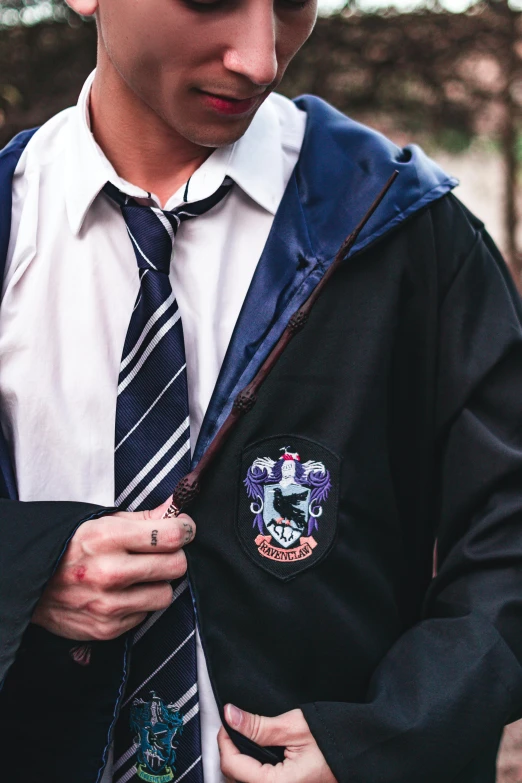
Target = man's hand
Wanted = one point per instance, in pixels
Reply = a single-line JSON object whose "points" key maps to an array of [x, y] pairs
{"points": [[114, 571], [304, 762]]}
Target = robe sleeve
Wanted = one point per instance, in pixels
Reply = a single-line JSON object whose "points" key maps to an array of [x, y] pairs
{"points": [[34, 538], [452, 681]]}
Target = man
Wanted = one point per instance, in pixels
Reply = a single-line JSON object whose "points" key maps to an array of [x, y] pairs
{"points": [[155, 241]]}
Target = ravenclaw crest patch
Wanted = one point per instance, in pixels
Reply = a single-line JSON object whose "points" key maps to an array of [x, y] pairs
{"points": [[288, 503]]}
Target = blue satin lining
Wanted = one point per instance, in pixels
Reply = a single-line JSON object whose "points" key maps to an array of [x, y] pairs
{"points": [[342, 167]]}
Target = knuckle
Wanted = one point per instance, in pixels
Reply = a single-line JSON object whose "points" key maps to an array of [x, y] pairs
{"points": [[70, 599], [165, 596], [82, 532], [256, 727], [179, 564], [71, 575], [107, 576], [105, 607], [174, 536], [107, 535], [104, 632], [89, 532]]}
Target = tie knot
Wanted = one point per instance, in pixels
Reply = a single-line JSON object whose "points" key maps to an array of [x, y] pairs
{"points": [[153, 230]]}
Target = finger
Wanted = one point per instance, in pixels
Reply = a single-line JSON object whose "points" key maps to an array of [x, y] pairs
{"points": [[151, 513], [132, 621], [156, 568], [104, 630], [189, 527], [133, 600], [148, 597], [143, 536], [148, 513], [167, 535], [163, 508], [282, 730], [234, 765], [116, 573]]}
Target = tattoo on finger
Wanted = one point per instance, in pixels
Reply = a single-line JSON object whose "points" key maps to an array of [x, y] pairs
{"points": [[154, 538], [189, 532]]}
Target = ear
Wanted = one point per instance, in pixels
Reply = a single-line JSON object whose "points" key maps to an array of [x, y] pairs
{"points": [[83, 7]]}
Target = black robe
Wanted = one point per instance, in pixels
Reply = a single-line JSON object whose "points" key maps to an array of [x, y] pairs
{"points": [[406, 387]]}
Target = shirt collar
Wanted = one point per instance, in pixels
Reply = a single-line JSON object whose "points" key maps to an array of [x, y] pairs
{"points": [[255, 163]]}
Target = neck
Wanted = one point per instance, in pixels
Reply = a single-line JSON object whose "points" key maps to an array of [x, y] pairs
{"points": [[136, 141]]}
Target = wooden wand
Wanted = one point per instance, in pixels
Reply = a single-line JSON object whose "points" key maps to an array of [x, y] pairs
{"points": [[189, 486]]}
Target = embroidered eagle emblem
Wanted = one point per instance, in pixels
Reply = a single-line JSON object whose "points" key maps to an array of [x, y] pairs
{"points": [[157, 727], [287, 502]]}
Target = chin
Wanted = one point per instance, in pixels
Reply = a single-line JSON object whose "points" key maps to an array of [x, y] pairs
{"points": [[216, 134]]}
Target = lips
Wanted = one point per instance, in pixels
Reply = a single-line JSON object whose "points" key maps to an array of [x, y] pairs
{"points": [[228, 105]]}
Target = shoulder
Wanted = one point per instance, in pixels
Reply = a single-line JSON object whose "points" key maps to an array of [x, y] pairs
{"points": [[455, 227], [37, 147], [448, 225], [34, 159], [459, 239]]}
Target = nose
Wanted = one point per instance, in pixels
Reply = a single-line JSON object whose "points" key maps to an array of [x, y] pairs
{"points": [[252, 50]]}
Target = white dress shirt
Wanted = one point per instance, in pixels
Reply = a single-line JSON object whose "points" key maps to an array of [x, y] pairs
{"points": [[70, 286]]}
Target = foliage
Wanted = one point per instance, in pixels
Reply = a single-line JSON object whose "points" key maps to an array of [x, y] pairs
{"points": [[430, 70], [41, 71], [28, 12], [427, 73]]}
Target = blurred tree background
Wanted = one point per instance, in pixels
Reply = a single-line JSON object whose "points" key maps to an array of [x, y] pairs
{"points": [[442, 77], [452, 81]]}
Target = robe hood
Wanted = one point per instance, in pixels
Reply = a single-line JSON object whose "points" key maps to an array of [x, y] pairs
{"points": [[343, 166]]}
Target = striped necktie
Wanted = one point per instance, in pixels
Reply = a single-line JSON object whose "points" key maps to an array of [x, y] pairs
{"points": [[157, 736]]}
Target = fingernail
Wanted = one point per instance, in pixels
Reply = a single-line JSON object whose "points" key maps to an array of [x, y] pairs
{"points": [[234, 716]]}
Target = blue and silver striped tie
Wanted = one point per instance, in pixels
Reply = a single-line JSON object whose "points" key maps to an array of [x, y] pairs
{"points": [[157, 735]]}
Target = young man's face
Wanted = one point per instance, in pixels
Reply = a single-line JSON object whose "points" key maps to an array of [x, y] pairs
{"points": [[178, 55]]}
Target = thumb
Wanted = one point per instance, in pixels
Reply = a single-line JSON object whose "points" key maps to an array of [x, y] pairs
{"points": [[258, 728], [160, 511], [154, 513]]}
